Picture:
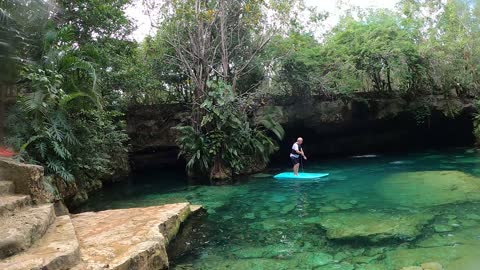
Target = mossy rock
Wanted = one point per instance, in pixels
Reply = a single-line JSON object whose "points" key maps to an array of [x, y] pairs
{"points": [[429, 188], [374, 227]]}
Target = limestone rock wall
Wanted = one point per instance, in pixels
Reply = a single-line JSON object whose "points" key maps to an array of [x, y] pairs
{"points": [[366, 125], [330, 126], [152, 137]]}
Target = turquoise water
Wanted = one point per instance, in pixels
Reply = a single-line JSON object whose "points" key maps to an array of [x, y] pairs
{"points": [[376, 212]]}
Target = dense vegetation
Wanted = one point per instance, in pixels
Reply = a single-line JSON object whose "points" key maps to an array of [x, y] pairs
{"points": [[408, 51], [65, 118], [78, 71]]}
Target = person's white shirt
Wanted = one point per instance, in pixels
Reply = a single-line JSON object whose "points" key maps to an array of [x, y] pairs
{"points": [[295, 147]]}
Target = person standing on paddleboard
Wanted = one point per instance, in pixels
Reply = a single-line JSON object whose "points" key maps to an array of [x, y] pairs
{"points": [[295, 154]]}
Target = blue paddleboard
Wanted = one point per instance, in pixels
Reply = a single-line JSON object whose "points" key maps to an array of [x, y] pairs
{"points": [[301, 175]]}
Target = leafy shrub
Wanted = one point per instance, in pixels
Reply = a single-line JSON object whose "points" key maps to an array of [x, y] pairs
{"points": [[228, 140]]}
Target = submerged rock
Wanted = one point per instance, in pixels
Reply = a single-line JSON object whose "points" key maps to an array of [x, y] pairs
{"points": [[328, 209], [375, 251], [374, 227], [262, 175], [340, 256], [473, 216], [371, 267], [309, 260], [249, 216], [396, 259], [432, 266], [288, 208], [243, 264], [344, 206], [273, 251], [340, 266], [365, 259], [442, 228], [470, 236], [429, 188], [469, 223]]}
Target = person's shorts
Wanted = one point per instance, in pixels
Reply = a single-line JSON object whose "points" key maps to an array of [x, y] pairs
{"points": [[295, 160]]}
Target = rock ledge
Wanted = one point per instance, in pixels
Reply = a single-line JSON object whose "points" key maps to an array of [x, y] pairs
{"points": [[134, 238]]}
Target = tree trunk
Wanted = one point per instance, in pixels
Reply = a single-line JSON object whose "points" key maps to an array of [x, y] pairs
{"points": [[220, 174], [223, 42], [389, 82]]}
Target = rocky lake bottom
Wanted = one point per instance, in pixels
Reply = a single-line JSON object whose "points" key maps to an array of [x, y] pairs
{"points": [[372, 213]]}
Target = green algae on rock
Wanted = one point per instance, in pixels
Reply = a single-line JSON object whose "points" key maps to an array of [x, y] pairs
{"points": [[374, 227], [429, 188]]}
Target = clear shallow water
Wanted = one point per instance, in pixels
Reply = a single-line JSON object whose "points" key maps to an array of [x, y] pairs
{"points": [[384, 212]]}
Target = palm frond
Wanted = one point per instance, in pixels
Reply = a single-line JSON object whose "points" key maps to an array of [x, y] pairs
{"points": [[35, 103], [66, 99]]}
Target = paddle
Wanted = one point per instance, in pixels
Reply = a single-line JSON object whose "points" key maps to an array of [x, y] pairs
{"points": [[301, 163]]}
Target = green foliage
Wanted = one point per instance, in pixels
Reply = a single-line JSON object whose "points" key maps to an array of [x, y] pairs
{"points": [[227, 134], [94, 20], [79, 69], [22, 23], [422, 113], [453, 48], [374, 53], [128, 76], [60, 120], [426, 47]]}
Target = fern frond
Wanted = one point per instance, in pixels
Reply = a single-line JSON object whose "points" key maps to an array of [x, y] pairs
{"points": [[42, 149]]}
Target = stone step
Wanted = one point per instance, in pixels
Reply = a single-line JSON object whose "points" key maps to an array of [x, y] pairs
{"points": [[22, 229], [10, 203], [6, 187], [57, 250]]}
